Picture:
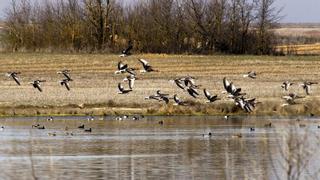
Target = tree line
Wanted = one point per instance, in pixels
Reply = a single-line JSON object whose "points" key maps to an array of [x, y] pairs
{"points": [[153, 26]]}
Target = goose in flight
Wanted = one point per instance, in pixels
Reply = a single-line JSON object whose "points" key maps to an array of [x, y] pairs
{"points": [[189, 81], [251, 74], [192, 91], [122, 90], [146, 66], [131, 71], [178, 82], [131, 79], [178, 102], [307, 86], [14, 76], [126, 52], [122, 68], [163, 97], [160, 94], [210, 97], [231, 89], [286, 85], [158, 98], [249, 105], [66, 74], [290, 99], [37, 84], [154, 97], [65, 82], [246, 105]]}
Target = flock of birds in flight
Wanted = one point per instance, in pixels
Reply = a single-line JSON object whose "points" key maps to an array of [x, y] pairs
{"points": [[187, 84]]}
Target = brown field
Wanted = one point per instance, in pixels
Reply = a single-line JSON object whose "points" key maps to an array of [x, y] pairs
{"points": [[94, 89], [304, 39], [298, 31], [300, 49]]}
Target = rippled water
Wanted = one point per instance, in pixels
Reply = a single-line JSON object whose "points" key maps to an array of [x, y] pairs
{"points": [[145, 149]]}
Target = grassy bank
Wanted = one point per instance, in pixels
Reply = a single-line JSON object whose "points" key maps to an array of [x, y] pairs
{"points": [[94, 89]]}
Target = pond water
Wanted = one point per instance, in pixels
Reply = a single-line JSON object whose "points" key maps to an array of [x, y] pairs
{"points": [[147, 149]]}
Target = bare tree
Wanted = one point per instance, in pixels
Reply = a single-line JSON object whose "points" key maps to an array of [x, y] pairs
{"points": [[156, 26], [267, 15], [97, 13]]}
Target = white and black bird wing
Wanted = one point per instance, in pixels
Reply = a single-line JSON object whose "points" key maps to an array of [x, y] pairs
{"points": [[16, 79], [207, 94], [192, 92], [179, 83], [122, 66], [120, 87], [131, 82]]}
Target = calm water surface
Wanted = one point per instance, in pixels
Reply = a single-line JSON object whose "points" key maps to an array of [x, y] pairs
{"points": [[145, 149]]}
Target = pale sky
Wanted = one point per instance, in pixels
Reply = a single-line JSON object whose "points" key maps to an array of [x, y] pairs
{"points": [[294, 10]]}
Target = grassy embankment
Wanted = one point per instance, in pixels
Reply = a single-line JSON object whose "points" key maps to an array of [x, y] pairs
{"points": [[94, 89]]}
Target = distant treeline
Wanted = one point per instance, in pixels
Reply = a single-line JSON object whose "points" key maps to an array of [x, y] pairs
{"points": [[153, 26]]}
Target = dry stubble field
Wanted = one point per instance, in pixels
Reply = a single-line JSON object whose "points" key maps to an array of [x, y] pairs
{"points": [[94, 89]]}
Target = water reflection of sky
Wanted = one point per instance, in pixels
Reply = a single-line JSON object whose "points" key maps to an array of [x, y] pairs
{"points": [[144, 149]]}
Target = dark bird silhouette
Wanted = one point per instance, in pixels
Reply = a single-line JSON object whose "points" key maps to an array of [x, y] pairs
{"points": [[122, 90], [290, 99], [65, 82], [66, 74], [131, 79], [146, 66], [231, 89], [154, 97], [247, 105], [159, 93], [165, 99], [286, 85], [307, 86], [88, 130], [37, 84], [211, 98], [14, 76], [50, 118], [192, 92], [131, 71], [41, 127], [35, 125], [81, 126], [126, 52], [178, 102], [178, 82], [159, 96], [189, 81], [122, 68]]}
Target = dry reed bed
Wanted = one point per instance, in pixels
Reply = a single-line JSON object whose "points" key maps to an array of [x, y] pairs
{"points": [[95, 86]]}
